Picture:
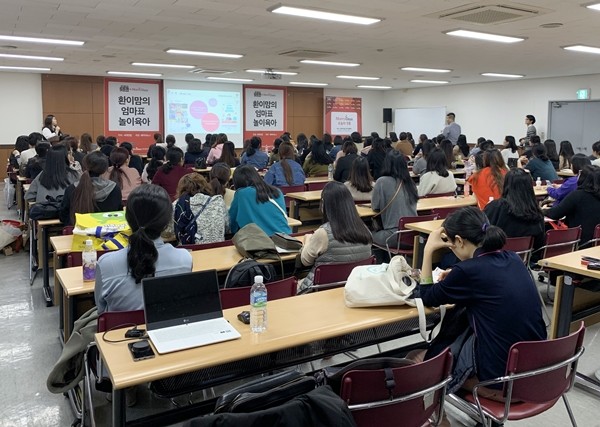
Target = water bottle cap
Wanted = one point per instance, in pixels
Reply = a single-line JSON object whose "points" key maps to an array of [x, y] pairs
{"points": [[88, 242], [258, 279]]}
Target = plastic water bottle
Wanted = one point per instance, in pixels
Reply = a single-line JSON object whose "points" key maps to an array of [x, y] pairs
{"points": [[330, 171], [538, 182], [258, 305], [467, 189], [89, 257]]}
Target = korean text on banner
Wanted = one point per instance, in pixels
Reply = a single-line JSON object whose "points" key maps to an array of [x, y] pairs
{"points": [[264, 112], [343, 115]]}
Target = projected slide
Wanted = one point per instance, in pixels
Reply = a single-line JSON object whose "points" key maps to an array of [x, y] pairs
{"points": [[202, 111]]}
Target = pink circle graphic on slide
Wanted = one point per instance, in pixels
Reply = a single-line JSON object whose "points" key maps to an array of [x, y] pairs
{"points": [[212, 102], [198, 109], [210, 122]]}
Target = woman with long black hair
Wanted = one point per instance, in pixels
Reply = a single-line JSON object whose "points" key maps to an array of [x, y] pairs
{"points": [[55, 178], [171, 172], [318, 161], [254, 156]]}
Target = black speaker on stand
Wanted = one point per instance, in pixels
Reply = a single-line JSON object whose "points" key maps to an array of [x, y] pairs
{"points": [[387, 118]]}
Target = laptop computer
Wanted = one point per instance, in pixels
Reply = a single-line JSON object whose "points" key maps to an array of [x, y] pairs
{"points": [[184, 311]]}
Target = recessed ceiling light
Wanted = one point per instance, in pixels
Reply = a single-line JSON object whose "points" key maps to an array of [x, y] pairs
{"points": [[485, 36], [595, 6], [229, 79], [149, 64], [335, 64], [201, 53], [436, 82], [39, 58], [510, 76], [319, 14], [6, 67], [128, 73], [308, 84], [40, 40], [581, 48], [283, 73], [358, 77], [373, 87], [426, 70]]}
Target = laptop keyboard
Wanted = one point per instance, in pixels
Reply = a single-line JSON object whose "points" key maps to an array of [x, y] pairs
{"points": [[207, 327]]}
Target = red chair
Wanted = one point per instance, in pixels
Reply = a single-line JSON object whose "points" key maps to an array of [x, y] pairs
{"points": [[408, 396], [67, 230], [314, 186], [291, 189], [334, 274], [236, 297], [74, 259], [202, 246], [442, 213], [405, 239], [93, 362], [431, 196], [522, 246], [538, 374], [595, 240]]}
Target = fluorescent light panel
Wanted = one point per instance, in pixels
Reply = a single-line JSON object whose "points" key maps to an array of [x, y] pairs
{"points": [[425, 70], [149, 64], [373, 87], [229, 79], [582, 48], [594, 6], [129, 73], [319, 14], [358, 77], [6, 67], [201, 53], [509, 76], [437, 82], [283, 73], [40, 40], [485, 36], [308, 84], [39, 58], [335, 64]]}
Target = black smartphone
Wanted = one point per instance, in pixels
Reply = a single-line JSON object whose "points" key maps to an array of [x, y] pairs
{"points": [[244, 317], [593, 266], [141, 350]]}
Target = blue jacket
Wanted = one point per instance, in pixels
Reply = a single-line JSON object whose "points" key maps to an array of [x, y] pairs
{"points": [[245, 209], [561, 192], [259, 159], [276, 177]]}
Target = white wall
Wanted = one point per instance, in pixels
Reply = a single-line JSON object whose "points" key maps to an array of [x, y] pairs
{"points": [[20, 105], [496, 109], [372, 108]]}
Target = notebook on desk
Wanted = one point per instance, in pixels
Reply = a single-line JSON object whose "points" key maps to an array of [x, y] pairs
{"points": [[184, 311]]}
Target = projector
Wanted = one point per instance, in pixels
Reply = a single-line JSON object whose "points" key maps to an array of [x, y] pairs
{"points": [[271, 76]]}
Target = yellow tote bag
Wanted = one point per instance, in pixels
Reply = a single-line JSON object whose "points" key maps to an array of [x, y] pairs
{"points": [[107, 230]]}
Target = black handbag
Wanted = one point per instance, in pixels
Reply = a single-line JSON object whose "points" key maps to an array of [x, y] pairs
{"points": [[285, 241], [46, 210], [265, 392]]}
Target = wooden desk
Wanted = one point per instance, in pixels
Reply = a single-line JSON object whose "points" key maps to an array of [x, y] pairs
{"points": [[566, 173], [424, 228], [574, 300], [312, 179], [292, 324]]}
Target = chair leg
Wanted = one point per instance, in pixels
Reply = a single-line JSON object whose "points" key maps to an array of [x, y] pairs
{"points": [[570, 412]]}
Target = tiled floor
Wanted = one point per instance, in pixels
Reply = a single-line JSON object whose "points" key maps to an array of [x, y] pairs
{"points": [[29, 347]]}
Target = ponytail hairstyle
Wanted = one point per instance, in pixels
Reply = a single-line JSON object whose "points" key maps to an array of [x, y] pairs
{"points": [[83, 200], [286, 154], [220, 175], [471, 224], [174, 158], [255, 143], [118, 158], [158, 157], [148, 213]]}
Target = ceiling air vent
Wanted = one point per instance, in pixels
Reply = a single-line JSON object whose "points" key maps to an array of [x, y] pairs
{"points": [[307, 53], [210, 72], [486, 14]]}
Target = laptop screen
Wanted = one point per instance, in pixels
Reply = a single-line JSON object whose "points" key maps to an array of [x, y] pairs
{"points": [[181, 298]]}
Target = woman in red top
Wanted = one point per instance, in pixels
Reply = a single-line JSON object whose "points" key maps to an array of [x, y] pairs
{"points": [[170, 172], [487, 183]]}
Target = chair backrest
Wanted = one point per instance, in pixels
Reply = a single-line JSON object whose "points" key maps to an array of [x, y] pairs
{"points": [[291, 189], [442, 213], [432, 195], [67, 230], [335, 274], [406, 396], [313, 186], [552, 363], [522, 246], [201, 246], [236, 297], [74, 259], [407, 237], [113, 319], [561, 241]]}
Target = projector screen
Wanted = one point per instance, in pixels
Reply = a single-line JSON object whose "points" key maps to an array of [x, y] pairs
{"points": [[203, 108]]}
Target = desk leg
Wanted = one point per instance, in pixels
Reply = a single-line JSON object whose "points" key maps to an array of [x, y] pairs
{"points": [[46, 288], [118, 407], [563, 306], [294, 209], [418, 249], [586, 383]]}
